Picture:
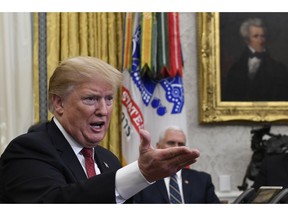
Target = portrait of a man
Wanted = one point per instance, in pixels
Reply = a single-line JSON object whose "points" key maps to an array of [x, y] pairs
{"points": [[255, 73]]}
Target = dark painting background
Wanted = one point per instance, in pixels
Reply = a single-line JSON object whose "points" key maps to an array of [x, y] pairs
{"points": [[232, 43]]}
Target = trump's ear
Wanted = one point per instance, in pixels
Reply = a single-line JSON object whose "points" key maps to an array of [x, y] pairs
{"points": [[57, 103]]}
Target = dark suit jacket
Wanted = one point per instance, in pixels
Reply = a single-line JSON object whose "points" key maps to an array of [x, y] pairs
{"points": [[273, 172], [197, 188], [269, 83], [41, 167]]}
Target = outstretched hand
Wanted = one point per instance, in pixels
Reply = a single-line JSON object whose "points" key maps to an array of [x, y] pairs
{"points": [[156, 164]]}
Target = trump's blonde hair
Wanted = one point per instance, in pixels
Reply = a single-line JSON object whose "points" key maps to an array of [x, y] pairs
{"points": [[78, 70]]}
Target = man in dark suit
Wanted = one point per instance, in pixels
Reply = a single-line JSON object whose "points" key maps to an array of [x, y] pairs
{"points": [[256, 76], [194, 186], [49, 164]]}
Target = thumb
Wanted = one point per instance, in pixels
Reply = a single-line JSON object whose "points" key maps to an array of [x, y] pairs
{"points": [[145, 139]]}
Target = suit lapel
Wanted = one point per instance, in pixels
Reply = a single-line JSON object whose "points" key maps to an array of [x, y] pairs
{"points": [[187, 186], [101, 165], [66, 152], [72, 162], [163, 190]]}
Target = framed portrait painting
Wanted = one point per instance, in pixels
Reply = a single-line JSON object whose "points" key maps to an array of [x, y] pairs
{"points": [[243, 67]]}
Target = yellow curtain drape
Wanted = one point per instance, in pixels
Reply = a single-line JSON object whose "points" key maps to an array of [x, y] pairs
{"points": [[36, 69], [94, 34]]}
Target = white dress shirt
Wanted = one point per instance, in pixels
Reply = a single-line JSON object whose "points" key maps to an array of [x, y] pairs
{"points": [[179, 181], [253, 64]]}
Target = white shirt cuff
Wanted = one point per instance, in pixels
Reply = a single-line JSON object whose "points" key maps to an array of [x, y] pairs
{"points": [[129, 181]]}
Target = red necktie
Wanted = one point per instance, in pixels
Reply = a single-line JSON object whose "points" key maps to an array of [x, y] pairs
{"points": [[89, 161]]}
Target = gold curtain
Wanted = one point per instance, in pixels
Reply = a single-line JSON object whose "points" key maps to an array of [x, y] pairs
{"points": [[94, 34]]}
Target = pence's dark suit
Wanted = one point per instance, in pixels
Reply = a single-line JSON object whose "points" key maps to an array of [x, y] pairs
{"points": [[197, 188], [41, 167], [269, 83]]}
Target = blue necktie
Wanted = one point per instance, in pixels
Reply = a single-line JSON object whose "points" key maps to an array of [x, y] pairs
{"points": [[175, 196]]}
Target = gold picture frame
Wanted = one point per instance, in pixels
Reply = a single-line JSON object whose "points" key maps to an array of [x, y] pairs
{"points": [[212, 109]]}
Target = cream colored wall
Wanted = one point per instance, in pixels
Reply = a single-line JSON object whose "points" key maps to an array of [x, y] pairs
{"points": [[224, 149]]}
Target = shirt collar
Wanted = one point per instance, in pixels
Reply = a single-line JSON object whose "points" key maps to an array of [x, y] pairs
{"points": [[178, 174], [74, 145], [253, 50]]}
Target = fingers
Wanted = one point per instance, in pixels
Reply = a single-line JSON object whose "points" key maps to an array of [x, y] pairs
{"points": [[182, 157], [146, 138], [156, 164], [181, 151], [185, 161]]}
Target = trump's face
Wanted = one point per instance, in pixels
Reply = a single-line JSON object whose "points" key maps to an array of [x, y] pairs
{"points": [[257, 38], [86, 111]]}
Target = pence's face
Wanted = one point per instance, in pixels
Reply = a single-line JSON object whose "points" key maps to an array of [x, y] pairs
{"points": [[172, 138]]}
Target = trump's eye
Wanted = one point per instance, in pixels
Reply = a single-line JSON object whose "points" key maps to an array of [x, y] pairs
{"points": [[95, 100], [109, 100], [90, 100]]}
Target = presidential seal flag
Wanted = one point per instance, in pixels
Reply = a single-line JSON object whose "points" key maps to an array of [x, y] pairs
{"points": [[152, 91]]}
